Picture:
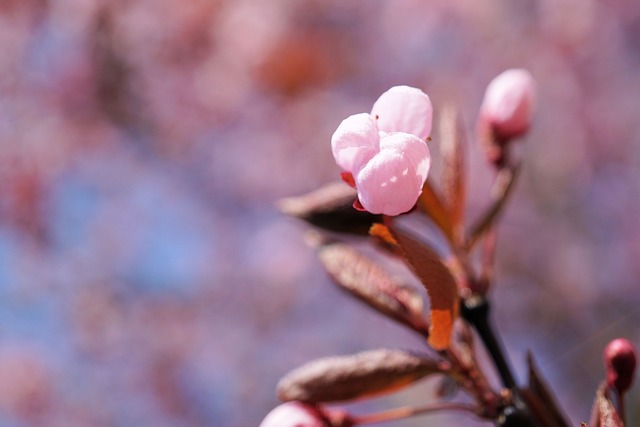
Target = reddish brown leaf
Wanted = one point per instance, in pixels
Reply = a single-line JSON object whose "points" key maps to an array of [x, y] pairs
{"points": [[363, 278], [453, 172], [383, 239], [433, 206], [548, 403], [439, 283], [365, 374], [331, 208]]}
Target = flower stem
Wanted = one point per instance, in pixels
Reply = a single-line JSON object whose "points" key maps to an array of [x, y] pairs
{"points": [[409, 411], [475, 310], [620, 396]]}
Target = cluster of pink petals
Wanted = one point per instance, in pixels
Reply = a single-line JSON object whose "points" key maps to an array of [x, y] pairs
{"points": [[386, 151], [293, 414], [508, 103]]}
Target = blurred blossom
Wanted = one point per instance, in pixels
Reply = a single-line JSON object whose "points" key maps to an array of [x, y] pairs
{"points": [[570, 22], [508, 103], [26, 389]]}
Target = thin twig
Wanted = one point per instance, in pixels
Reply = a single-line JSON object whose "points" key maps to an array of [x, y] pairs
{"points": [[476, 311], [501, 191], [487, 261], [621, 412]]}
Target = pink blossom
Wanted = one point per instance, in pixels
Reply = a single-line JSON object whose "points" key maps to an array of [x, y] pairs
{"points": [[293, 414], [386, 151], [508, 103]]}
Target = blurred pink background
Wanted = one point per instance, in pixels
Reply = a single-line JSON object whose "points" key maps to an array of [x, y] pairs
{"points": [[145, 276]]}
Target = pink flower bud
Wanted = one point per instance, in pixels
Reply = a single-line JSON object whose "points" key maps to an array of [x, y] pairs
{"points": [[508, 104], [620, 363], [294, 414], [385, 152], [391, 182], [404, 109]]}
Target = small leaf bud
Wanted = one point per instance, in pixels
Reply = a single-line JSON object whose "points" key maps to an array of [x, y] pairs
{"points": [[620, 362]]}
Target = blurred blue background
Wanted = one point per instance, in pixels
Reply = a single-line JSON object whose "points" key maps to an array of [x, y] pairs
{"points": [[146, 277]]}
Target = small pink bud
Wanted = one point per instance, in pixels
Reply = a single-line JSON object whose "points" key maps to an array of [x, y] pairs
{"points": [[620, 363], [508, 104], [294, 414]]}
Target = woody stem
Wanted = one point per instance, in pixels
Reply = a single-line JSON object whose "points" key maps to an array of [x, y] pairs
{"points": [[475, 310]]}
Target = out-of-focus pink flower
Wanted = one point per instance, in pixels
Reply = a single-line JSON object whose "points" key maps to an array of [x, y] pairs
{"points": [[508, 103], [293, 414], [386, 151]]}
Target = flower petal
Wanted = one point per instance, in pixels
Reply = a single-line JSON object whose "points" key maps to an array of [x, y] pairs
{"points": [[392, 180], [414, 149], [508, 102], [293, 414], [404, 109], [355, 142]]}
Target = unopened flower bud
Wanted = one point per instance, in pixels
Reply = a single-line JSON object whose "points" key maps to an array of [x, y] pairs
{"points": [[508, 104], [620, 362], [298, 414], [384, 154]]}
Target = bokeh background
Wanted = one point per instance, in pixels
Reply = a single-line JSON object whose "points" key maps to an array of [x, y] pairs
{"points": [[146, 278]]}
